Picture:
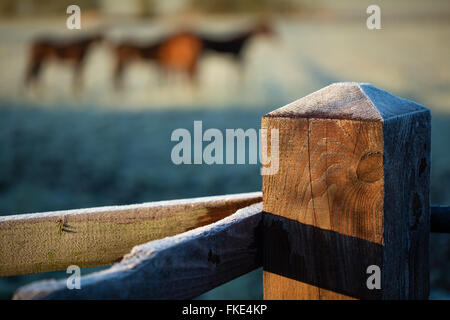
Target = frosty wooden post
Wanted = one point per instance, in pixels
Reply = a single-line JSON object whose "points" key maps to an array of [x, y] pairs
{"points": [[352, 191]]}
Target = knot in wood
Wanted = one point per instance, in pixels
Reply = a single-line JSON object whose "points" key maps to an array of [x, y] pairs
{"points": [[370, 167]]}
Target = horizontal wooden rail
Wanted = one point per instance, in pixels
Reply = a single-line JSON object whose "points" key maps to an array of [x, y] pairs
{"points": [[178, 267], [32, 243]]}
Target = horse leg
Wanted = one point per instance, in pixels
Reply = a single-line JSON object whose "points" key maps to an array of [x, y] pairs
{"points": [[162, 74], [193, 75], [167, 74], [77, 82], [241, 71], [33, 72], [118, 74]]}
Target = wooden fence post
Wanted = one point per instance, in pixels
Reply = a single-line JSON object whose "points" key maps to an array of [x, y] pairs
{"points": [[347, 214]]}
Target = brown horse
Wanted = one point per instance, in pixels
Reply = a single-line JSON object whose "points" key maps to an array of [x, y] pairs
{"points": [[73, 51], [178, 52], [127, 52]]}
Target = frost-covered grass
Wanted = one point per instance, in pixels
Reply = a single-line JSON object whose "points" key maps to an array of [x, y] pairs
{"points": [[59, 159]]}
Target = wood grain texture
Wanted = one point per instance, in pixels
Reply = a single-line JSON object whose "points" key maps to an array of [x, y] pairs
{"points": [[41, 242], [354, 163], [178, 267]]}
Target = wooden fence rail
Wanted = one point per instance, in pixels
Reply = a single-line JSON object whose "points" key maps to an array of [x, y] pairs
{"points": [[179, 267], [351, 194], [40, 242]]}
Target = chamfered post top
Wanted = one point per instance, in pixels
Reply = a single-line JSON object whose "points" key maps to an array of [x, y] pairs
{"points": [[349, 101]]}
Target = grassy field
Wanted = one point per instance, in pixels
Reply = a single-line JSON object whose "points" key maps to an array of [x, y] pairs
{"points": [[105, 148]]}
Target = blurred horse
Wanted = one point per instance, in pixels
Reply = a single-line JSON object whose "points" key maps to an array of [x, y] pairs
{"points": [[126, 52], [235, 46], [72, 51], [180, 54], [176, 53]]}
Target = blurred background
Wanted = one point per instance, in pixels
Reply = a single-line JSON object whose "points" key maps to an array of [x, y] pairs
{"points": [[94, 129]]}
